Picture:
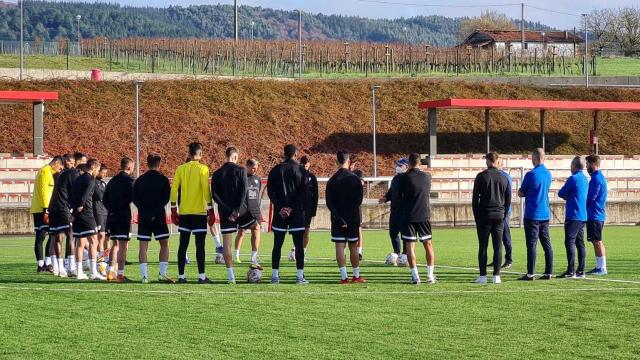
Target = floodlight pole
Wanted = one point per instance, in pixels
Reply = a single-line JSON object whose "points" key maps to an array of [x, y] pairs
{"points": [[21, 39], [78, 17], [373, 112], [138, 85], [586, 51]]}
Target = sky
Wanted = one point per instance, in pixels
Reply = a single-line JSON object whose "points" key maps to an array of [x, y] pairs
{"points": [[561, 18]]}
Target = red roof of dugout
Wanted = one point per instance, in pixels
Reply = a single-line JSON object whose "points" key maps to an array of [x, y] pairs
{"points": [[27, 96], [531, 105]]}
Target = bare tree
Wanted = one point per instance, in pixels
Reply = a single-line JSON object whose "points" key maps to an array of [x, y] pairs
{"points": [[627, 31], [600, 23], [488, 20]]}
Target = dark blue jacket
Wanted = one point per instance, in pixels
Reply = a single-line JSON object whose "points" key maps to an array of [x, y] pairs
{"points": [[535, 188], [574, 191], [597, 197]]}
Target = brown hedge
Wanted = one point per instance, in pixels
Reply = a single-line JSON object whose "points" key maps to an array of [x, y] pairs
{"points": [[319, 116]]}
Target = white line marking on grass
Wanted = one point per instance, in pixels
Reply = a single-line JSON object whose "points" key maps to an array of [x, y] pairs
{"points": [[502, 271], [319, 293]]}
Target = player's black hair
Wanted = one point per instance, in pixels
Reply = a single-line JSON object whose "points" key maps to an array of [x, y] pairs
{"points": [[57, 159], [153, 161], [305, 160], [67, 157], [103, 167], [290, 151], [593, 159], [252, 162], [230, 151], [414, 159], [342, 157], [124, 163], [492, 157], [78, 155], [195, 148], [91, 164]]}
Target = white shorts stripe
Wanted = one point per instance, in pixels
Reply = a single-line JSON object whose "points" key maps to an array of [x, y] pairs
{"points": [[84, 233], [353, 239], [338, 238], [296, 229], [162, 236], [144, 237], [428, 237], [199, 230], [42, 227], [409, 237], [249, 223], [58, 228], [228, 229], [278, 229]]}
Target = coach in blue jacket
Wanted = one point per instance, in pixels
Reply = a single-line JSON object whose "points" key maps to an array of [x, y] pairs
{"points": [[574, 192], [596, 213], [535, 190]]}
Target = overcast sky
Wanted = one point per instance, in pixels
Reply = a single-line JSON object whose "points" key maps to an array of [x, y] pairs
{"points": [[375, 8]]}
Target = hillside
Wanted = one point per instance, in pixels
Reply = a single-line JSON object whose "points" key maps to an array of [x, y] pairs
{"points": [[55, 20], [319, 116]]}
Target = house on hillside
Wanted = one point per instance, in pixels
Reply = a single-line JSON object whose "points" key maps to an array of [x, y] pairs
{"points": [[561, 42]]}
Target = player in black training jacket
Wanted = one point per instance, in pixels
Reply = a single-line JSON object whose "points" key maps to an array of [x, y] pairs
{"points": [[344, 198], [100, 213], [229, 191], [415, 187], [60, 213], [151, 192], [84, 222], [254, 215], [396, 215], [117, 199], [287, 187], [310, 204]]}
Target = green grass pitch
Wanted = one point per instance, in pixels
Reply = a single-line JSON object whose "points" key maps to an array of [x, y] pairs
{"points": [[597, 318]]}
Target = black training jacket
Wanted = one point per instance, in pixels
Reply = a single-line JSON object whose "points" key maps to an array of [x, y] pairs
{"points": [[254, 186], [62, 191], [119, 195], [151, 192], [344, 197], [287, 186], [83, 189], [393, 195], [491, 195], [415, 187], [229, 189], [98, 206], [311, 200]]}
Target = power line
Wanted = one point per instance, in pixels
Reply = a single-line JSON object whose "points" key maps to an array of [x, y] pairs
{"points": [[551, 10], [386, 2]]}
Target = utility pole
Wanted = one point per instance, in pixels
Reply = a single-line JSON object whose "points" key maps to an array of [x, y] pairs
{"points": [[235, 35], [253, 23], [522, 30], [21, 39], [299, 44], [78, 18], [373, 125], [586, 51]]}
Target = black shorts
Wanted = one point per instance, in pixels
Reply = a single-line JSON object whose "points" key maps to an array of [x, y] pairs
{"points": [[193, 224], [307, 220], [84, 225], [594, 230], [248, 221], [101, 223], [294, 223], [415, 231], [119, 227], [155, 226], [59, 222], [38, 222], [340, 234]]}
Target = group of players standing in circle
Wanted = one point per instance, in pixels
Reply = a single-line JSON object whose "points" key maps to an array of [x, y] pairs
{"points": [[72, 201]]}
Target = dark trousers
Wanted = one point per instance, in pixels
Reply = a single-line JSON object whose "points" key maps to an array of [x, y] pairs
{"points": [[37, 247], [494, 228], [67, 244], [395, 226], [506, 240], [534, 230], [278, 241], [185, 237], [574, 239]]}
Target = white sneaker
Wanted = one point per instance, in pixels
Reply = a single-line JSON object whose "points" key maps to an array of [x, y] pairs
{"points": [[98, 277], [56, 272], [481, 279], [497, 280], [291, 256], [431, 280], [82, 276], [63, 274], [73, 273]]}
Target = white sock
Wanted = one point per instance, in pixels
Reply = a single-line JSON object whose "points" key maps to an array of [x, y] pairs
{"points": [[72, 263], [275, 273], [54, 262], [305, 251], [237, 253], [202, 276], [85, 262], [300, 273], [230, 274], [120, 272], [217, 240], [359, 250], [598, 262], [61, 266], [414, 273], [181, 276], [94, 267], [343, 273], [254, 256], [430, 269], [163, 268], [47, 260], [41, 263], [603, 263], [66, 263], [143, 270], [356, 272]]}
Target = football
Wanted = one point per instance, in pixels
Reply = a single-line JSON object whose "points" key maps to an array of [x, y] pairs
{"points": [[402, 260], [254, 276], [219, 259], [392, 259]]}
